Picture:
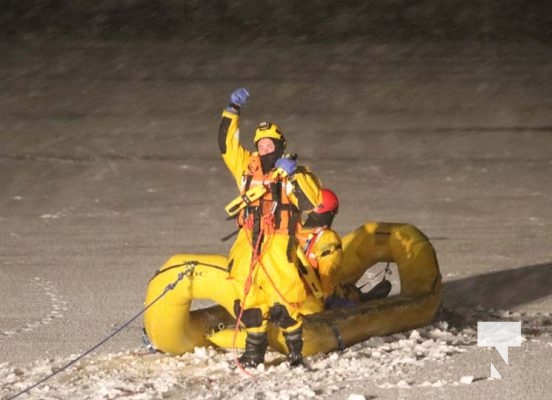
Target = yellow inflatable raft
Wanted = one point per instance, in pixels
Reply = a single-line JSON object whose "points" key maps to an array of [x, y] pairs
{"points": [[171, 327]]}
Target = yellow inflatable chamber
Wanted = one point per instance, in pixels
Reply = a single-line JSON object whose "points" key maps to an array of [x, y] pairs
{"points": [[171, 327]]}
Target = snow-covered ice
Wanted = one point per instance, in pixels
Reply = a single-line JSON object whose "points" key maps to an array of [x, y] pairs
{"points": [[207, 373]]}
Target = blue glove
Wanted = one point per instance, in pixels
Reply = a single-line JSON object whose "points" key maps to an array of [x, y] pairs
{"points": [[238, 98], [286, 164]]}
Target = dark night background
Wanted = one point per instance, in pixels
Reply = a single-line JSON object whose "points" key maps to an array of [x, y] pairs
{"points": [[307, 20], [433, 112]]}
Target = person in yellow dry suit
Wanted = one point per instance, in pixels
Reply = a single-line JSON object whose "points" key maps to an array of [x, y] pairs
{"points": [[322, 248], [263, 260], [321, 244]]}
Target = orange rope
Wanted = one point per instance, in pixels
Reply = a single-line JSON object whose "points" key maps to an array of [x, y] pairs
{"points": [[270, 220]]}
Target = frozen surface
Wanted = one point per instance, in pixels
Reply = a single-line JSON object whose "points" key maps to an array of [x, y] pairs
{"points": [[109, 164]]}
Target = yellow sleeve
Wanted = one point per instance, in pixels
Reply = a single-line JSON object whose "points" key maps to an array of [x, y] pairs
{"points": [[329, 254], [234, 155], [305, 189]]}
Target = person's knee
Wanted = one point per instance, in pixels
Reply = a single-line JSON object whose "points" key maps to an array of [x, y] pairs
{"points": [[250, 317], [279, 316]]}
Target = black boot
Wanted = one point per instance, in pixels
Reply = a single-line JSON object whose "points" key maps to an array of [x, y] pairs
{"points": [[255, 349], [294, 342]]}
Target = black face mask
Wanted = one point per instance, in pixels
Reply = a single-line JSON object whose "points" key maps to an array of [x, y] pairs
{"points": [[315, 220], [268, 160]]}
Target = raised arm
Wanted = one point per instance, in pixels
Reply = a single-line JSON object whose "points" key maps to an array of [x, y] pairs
{"points": [[234, 155]]}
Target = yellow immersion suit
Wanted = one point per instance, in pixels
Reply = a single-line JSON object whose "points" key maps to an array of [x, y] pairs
{"points": [[263, 261], [322, 246]]}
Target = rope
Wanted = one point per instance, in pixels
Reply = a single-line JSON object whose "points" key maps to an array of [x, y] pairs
{"points": [[168, 288], [258, 259], [191, 263]]}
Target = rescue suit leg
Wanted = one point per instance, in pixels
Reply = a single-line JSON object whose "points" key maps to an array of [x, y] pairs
{"points": [[256, 342], [255, 349], [294, 342]]}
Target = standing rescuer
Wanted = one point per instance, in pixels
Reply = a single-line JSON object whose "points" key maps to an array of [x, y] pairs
{"points": [[263, 261]]}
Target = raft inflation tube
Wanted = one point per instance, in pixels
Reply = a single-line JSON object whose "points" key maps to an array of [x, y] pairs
{"points": [[168, 323], [172, 328]]}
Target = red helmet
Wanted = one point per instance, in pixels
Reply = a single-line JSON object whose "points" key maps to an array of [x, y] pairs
{"points": [[330, 202]]}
